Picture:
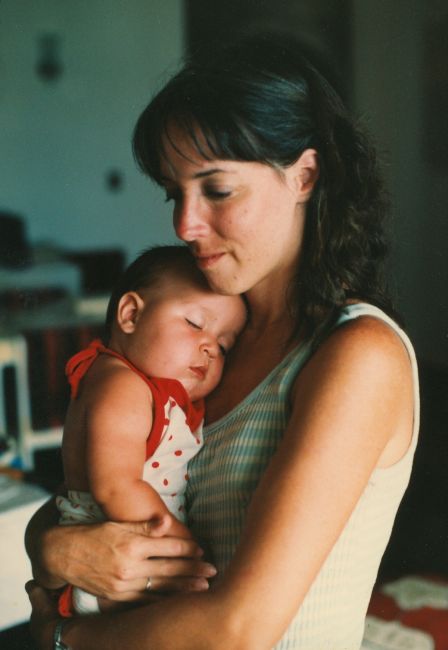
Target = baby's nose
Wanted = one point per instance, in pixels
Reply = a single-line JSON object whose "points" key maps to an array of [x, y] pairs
{"points": [[211, 348]]}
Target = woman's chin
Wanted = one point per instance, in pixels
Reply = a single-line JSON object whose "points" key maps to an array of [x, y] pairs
{"points": [[224, 284], [227, 291]]}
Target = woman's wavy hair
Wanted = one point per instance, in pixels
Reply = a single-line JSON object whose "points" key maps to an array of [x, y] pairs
{"points": [[261, 100]]}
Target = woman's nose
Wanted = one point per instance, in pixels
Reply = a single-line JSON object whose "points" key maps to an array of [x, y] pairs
{"points": [[189, 219]]}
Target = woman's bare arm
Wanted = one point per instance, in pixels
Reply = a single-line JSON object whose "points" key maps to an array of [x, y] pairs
{"points": [[355, 398]]}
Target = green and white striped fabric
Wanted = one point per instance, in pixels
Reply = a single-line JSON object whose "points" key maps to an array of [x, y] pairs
{"points": [[224, 475]]}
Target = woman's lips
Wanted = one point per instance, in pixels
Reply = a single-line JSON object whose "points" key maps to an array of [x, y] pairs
{"points": [[207, 261]]}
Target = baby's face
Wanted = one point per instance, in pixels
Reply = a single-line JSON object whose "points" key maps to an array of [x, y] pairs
{"points": [[184, 332]]}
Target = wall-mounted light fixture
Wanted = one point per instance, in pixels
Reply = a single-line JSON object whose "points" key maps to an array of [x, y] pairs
{"points": [[49, 66]]}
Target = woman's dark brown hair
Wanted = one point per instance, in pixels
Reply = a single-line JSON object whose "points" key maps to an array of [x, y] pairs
{"points": [[262, 101]]}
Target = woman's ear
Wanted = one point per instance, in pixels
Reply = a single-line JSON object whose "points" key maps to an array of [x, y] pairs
{"points": [[129, 308], [306, 173]]}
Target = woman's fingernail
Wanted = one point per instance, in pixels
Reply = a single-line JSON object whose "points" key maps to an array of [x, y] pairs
{"points": [[210, 570]]}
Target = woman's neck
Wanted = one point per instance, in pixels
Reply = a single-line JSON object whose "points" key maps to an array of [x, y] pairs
{"points": [[273, 307], [268, 337]]}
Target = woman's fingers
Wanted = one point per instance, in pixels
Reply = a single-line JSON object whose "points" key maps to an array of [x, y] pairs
{"points": [[40, 599], [173, 568], [161, 587], [167, 567], [145, 547], [167, 575], [177, 585]]}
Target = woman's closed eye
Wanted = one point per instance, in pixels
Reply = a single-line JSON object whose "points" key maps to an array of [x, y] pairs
{"points": [[217, 194], [212, 193]]}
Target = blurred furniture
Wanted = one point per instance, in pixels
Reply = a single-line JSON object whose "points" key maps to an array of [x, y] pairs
{"points": [[34, 393], [18, 502], [15, 414], [51, 305], [42, 276]]}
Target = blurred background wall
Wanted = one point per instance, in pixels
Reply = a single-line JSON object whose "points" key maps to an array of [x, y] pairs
{"points": [[74, 77]]}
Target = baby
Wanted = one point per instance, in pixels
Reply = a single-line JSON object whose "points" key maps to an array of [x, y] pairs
{"points": [[136, 410]]}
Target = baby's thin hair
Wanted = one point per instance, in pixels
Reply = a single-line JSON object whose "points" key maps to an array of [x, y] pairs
{"points": [[149, 270]]}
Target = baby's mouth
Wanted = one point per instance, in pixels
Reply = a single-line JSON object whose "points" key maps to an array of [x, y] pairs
{"points": [[199, 371]]}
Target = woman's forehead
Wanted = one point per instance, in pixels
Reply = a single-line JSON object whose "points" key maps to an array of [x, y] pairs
{"points": [[179, 150], [187, 143]]}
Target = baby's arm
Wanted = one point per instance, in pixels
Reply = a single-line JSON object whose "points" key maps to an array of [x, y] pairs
{"points": [[119, 419]]}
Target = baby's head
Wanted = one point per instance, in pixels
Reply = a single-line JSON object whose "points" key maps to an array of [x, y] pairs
{"points": [[167, 322]]}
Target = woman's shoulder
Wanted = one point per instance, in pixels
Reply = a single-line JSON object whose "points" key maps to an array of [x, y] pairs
{"points": [[373, 339], [362, 376], [365, 347]]}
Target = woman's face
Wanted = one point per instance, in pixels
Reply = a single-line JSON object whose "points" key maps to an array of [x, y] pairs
{"points": [[242, 220]]}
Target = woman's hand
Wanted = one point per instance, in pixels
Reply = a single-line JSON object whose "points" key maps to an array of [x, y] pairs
{"points": [[114, 561], [44, 615]]}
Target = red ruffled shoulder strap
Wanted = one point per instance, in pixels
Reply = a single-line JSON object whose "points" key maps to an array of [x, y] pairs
{"points": [[77, 366], [161, 388]]}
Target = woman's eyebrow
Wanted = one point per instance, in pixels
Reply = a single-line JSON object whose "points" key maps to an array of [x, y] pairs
{"points": [[203, 174], [208, 172]]}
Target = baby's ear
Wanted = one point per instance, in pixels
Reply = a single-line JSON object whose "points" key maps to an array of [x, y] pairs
{"points": [[129, 307]]}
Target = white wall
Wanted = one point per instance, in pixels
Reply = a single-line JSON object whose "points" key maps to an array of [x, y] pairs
{"points": [[58, 140]]}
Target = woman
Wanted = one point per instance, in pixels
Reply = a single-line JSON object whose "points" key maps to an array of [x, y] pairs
{"points": [[312, 431]]}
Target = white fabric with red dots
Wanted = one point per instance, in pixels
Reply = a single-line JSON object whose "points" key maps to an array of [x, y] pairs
{"points": [[178, 436], [166, 469]]}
